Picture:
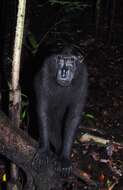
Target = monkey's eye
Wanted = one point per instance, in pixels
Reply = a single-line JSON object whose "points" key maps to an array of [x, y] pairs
{"points": [[59, 57], [72, 59]]}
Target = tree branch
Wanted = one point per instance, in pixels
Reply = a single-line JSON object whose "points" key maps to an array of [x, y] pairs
{"points": [[16, 145], [21, 149]]}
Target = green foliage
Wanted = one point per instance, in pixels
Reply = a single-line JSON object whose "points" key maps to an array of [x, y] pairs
{"points": [[24, 107], [23, 115], [70, 5], [32, 44], [33, 41], [90, 118], [108, 183]]}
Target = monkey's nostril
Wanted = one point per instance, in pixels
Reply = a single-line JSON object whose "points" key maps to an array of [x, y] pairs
{"points": [[63, 74]]}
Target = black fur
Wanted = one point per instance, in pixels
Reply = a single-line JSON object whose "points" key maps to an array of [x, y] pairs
{"points": [[59, 108]]}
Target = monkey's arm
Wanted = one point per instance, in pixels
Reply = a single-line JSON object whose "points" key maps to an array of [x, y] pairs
{"points": [[42, 118], [42, 110]]}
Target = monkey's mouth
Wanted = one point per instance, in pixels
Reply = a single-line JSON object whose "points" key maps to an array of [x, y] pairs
{"points": [[64, 78], [64, 82], [64, 74]]}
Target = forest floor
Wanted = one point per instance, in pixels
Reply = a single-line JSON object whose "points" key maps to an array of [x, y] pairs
{"points": [[103, 119]]}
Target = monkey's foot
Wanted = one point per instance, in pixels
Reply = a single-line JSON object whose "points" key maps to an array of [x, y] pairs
{"points": [[41, 158], [64, 167]]}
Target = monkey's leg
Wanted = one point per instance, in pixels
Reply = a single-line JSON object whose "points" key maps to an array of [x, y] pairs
{"points": [[42, 156], [72, 122]]}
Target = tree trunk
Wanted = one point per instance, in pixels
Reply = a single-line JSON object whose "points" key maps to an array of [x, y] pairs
{"points": [[112, 22]]}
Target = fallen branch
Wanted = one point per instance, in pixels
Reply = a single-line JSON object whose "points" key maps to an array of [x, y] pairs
{"points": [[87, 137], [84, 177]]}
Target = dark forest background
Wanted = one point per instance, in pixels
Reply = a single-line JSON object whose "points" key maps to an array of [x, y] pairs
{"points": [[96, 28]]}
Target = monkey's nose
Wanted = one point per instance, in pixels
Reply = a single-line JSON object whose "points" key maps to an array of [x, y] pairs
{"points": [[64, 73]]}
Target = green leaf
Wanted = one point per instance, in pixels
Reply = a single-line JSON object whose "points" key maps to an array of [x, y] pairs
{"points": [[90, 116], [33, 41], [23, 114]]}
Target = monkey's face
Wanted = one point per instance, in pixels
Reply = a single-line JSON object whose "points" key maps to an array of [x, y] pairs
{"points": [[66, 67]]}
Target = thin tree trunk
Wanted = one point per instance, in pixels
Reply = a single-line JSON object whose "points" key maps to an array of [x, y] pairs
{"points": [[15, 92], [101, 20], [112, 22], [98, 9]]}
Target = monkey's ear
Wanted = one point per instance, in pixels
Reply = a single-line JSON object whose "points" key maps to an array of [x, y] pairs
{"points": [[81, 58], [79, 65]]}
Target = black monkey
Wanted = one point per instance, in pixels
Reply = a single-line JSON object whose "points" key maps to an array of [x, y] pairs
{"points": [[61, 89]]}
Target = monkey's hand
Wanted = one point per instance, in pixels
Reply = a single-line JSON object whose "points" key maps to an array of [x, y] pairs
{"points": [[64, 166], [41, 158]]}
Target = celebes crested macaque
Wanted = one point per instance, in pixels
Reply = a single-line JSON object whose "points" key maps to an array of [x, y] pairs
{"points": [[61, 90]]}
